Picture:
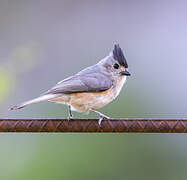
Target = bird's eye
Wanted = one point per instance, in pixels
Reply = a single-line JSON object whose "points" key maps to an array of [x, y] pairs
{"points": [[116, 66]]}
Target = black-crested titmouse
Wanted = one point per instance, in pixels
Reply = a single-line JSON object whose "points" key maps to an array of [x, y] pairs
{"points": [[90, 89]]}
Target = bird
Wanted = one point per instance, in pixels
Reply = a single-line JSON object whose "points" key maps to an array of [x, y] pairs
{"points": [[90, 89]]}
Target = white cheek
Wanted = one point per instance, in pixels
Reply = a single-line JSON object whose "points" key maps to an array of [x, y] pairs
{"points": [[120, 85], [123, 80]]}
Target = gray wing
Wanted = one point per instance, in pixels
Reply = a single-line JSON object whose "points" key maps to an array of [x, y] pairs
{"points": [[93, 82]]}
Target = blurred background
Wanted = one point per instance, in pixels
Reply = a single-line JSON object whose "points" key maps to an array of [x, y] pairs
{"points": [[43, 42]]}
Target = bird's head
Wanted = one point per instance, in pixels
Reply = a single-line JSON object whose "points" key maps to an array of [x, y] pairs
{"points": [[115, 64]]}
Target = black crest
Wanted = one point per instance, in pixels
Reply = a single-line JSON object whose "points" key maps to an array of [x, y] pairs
{"points": [[119, 56]]}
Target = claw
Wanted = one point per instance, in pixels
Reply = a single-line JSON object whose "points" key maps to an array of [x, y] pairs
{"points": [[99, 121], [102, 116], [70, 116]]}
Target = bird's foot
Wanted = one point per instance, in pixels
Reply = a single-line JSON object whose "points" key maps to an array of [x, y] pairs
{"points": [[101, 117], [70, 117]]}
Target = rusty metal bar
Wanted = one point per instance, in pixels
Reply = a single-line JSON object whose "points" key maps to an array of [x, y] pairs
{"points": [[135, 125]]}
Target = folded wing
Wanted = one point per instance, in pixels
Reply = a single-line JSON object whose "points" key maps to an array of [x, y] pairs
{"points": [[93, 82]]}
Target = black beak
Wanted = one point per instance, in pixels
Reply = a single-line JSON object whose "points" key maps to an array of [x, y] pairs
{"points": [[125, 73]]}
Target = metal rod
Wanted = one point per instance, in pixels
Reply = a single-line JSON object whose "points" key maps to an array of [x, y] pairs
{"points": [[135, 125]]}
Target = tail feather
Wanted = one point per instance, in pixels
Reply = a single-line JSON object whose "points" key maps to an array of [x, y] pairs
{"points": [[36, 100]]}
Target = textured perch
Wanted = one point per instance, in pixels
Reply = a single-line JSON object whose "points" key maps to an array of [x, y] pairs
{"points": [[135, 125]]}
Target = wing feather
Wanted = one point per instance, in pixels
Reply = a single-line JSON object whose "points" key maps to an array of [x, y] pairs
{"points": [[93, 82]]}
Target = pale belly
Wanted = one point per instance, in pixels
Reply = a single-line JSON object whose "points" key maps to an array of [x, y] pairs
{"points": [[86, 101]]}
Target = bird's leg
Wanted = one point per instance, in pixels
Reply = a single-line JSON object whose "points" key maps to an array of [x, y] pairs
{"points": [[70, 115], [102, 116]]}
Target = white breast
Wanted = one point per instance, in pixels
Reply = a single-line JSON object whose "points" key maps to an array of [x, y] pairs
{"points": [[119, 84]]}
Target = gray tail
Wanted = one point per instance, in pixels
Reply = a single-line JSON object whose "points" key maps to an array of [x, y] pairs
{"points": [[33, 101]]}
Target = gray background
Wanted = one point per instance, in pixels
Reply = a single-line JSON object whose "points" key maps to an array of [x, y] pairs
{"points": [[43, 42]]}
